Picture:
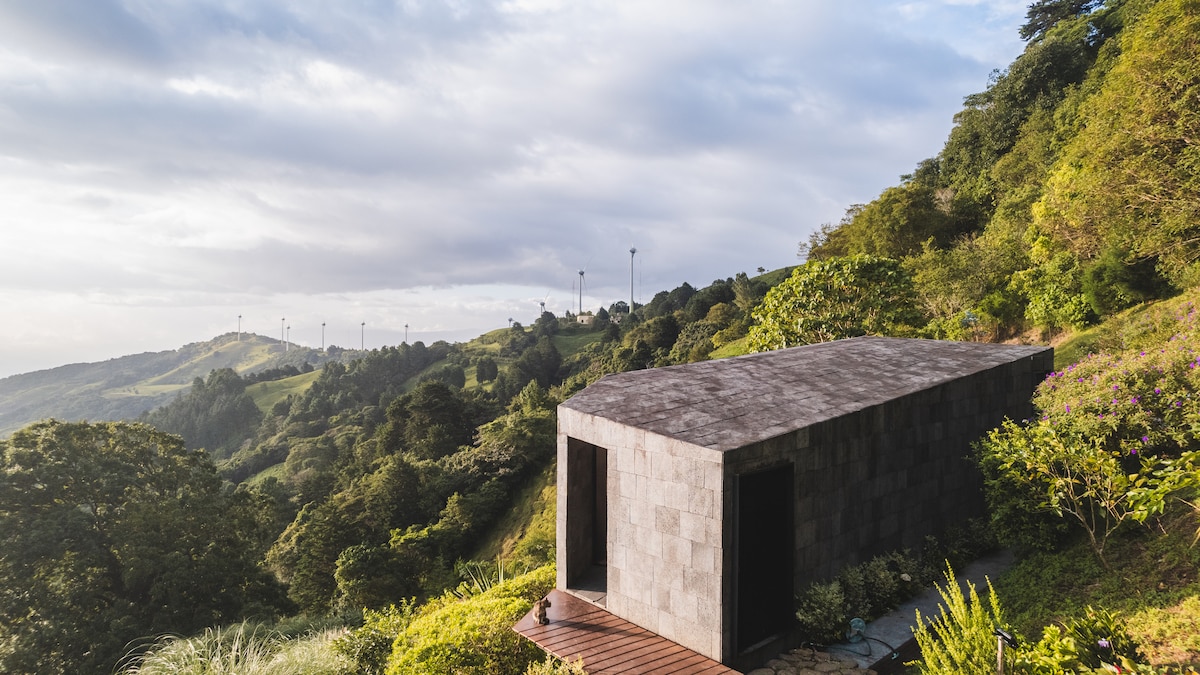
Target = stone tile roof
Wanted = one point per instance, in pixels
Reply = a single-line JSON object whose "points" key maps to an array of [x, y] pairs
{"points": [[730, 403]]}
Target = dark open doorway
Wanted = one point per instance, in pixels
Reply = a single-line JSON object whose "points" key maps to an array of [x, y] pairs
{"points": [[764, 542], [587, 520]]}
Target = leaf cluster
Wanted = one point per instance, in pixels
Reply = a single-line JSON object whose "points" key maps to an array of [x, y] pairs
{"points": [[109, 532], [1117, 440], [832, 299], [1066, 190]]}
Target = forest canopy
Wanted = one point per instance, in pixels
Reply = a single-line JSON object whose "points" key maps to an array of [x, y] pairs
{"points": [[112, 532], [1068, 190]]}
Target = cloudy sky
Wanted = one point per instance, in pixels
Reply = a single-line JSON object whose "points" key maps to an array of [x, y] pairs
{"points": [[168, 165]]}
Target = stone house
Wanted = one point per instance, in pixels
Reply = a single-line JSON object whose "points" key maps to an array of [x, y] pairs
{"points": [[694, 500]]}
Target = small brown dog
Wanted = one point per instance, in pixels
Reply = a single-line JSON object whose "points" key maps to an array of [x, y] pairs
{"points": [[539, 611]]}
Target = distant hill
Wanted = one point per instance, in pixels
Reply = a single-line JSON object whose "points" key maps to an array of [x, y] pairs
{"points": [[125, 387]]}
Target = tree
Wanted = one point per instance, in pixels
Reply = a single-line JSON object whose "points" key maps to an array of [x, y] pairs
{"points": [[539, 363], [430, 422], [486, 369], [694, 343], [1130, 178], [602, 320], [832, 299], [896, 223], [111, 532], [451, 374], [661, 332], [546, 325], [1045, 14], [618, 307], [745, 294], [216, 415]]}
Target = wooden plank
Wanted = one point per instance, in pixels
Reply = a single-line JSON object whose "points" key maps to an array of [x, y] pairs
{"points": [[610, 645]]}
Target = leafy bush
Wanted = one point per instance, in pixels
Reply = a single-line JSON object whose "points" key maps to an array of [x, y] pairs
{"points": [[961, 639], [473, 635], [1116, 440], [370, 645], [866, 591], [821, 613], [832, 299], [1085, 644], [959, 545]]}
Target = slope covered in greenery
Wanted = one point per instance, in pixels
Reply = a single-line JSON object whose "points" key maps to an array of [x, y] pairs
{"points": [[125, 387], [1068, 190], [1066, 193]]}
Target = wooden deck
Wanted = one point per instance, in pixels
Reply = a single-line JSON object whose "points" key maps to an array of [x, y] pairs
{"points": [[609, 645]]}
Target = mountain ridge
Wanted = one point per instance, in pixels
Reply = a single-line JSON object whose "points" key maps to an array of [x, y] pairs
{"points": [[124, 387]]}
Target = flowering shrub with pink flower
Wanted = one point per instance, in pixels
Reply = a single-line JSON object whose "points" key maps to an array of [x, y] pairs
{"points": [[1115, 440], [1140, 400]]}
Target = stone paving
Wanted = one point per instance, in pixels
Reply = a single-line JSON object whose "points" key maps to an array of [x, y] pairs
{"points": [[810, 662]]}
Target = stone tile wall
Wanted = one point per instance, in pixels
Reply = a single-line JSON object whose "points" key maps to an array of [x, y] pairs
{"points": [[664, 533], [882, 478], [867, 482]]}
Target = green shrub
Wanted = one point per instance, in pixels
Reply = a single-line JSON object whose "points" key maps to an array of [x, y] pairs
{"points": [[473, 635], [1101, 638], [370, 645], [824, 610], [821, 613], [1114, 442], [1086, 644], [962, 638]]}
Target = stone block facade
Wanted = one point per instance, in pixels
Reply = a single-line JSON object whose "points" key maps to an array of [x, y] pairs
{"points": [[664, 529], [871, 436]]}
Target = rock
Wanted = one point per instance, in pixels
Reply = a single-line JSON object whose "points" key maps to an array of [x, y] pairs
{"points": [[804, 661]]}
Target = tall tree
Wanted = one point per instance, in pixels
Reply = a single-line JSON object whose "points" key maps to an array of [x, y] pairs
{"points": [[111, 532], [1046, 14], [832, 299], [215, 415], [1130, 179]]}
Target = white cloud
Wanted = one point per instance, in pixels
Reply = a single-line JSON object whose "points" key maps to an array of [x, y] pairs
{"points": [[257, 152]]}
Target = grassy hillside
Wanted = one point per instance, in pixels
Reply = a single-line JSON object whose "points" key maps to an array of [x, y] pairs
{"points": [[572, 341], [267, 394], [525, 533], [125, 387]]}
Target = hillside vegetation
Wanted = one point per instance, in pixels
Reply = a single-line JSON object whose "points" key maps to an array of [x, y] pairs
{"points": [[126, 387], [388, 491]]}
